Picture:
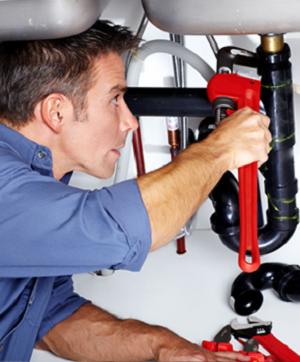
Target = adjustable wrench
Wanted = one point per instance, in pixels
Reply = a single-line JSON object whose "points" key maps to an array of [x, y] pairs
{"points": [[261, 331]]}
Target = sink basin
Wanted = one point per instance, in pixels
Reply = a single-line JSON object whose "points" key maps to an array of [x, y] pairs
{"points": [[224, 17], [45, 19]]}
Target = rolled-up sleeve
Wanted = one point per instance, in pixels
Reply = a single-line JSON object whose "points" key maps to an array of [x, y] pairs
{"points": [[63, 230]]}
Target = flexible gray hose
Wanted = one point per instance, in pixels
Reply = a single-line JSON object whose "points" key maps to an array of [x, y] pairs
{"points": [[180, 82], [213, 44], [168, 47]]}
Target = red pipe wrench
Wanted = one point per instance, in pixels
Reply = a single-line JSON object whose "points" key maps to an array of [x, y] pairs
{"points": [[225, 91]]}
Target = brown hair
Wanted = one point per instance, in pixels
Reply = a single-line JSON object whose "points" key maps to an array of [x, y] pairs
{"points": [[31, 70]]}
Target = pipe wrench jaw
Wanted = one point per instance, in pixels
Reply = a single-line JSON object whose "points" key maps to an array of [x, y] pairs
{"points": [[229, 56], [256, 327], [220, 106]]}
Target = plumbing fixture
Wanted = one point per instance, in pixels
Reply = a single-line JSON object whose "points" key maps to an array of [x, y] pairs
{"points": [[246, 297], [175, 102], [139, 33], [231, 17], [272, 43], [213, 44], [174, 142], [47, 19], [180, 82], [173, 135], [280, 182], [168, 47], [138, 152]]}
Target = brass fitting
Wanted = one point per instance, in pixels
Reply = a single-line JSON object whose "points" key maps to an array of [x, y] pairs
{"points": [[272, 43], [174, 139]]}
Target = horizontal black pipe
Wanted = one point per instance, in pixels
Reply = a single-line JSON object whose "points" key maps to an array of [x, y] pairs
{"points": [[177, 102]]}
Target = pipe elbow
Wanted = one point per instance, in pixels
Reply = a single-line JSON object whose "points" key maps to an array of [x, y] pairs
{"points": [[225, 219], [225, 200], [246, 297]]}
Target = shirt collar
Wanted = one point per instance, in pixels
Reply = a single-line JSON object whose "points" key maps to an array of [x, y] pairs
{"points": [[37, 156]]}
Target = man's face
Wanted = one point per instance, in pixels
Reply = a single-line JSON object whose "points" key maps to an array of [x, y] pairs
{"points": [[94, 140]]}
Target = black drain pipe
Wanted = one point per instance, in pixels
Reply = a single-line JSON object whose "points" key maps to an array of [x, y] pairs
{"points": [[246, 296], [280, 182]]}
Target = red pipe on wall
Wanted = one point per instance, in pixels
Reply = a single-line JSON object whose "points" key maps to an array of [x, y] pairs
{"points": [[174, 141], [138, 152], [140, 165]]}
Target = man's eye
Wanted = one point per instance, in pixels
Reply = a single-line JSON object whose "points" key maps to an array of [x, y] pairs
{"points": [[115, 100]]}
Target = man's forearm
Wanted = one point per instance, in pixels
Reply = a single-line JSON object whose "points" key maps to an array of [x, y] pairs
{"points": [[173, 193], [92, 334]]}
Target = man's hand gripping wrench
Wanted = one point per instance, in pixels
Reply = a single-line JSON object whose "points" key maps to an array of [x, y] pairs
{"points": [[233, 92], [261, 331]]}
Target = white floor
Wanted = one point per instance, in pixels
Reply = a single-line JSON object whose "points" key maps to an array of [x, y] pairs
{"points": [[189, 293]]}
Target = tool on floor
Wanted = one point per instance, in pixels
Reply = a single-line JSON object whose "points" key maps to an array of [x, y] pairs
{"points": [[220, 342], [251, 349], [261, 331]]}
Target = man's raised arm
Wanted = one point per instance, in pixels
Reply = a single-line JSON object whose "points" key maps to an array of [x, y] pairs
{"points": [[173, 193]]}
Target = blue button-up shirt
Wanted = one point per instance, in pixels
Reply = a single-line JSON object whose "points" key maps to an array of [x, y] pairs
{"points": [[49, 231]]}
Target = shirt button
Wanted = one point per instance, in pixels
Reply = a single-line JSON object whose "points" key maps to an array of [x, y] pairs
{"points": [[41, 154], [1, 347], [30, 302]]}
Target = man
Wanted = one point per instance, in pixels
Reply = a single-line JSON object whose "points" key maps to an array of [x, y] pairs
{"points": [[62, 109]]}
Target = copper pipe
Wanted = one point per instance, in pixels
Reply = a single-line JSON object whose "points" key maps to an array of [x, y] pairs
{"points": [[138, 152], [174, 142], [173, 138]]}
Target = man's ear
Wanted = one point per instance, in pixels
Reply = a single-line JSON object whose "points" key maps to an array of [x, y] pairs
{"points": [[55, 111]]}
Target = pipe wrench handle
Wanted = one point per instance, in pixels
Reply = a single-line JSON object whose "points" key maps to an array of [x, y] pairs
{"points": [[278, 349], [248, 217]]}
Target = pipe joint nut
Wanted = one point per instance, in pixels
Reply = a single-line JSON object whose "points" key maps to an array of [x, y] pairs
{"points": [[265, 59]]}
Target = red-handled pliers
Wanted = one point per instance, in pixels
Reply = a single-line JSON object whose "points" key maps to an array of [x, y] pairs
{"points": [[220, 342]]}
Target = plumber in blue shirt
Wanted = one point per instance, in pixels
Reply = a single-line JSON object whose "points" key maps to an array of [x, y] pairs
{"points": [[62, 109]]}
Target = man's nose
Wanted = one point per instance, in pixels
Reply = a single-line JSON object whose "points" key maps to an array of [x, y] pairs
{"points": [[129, 122]]}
